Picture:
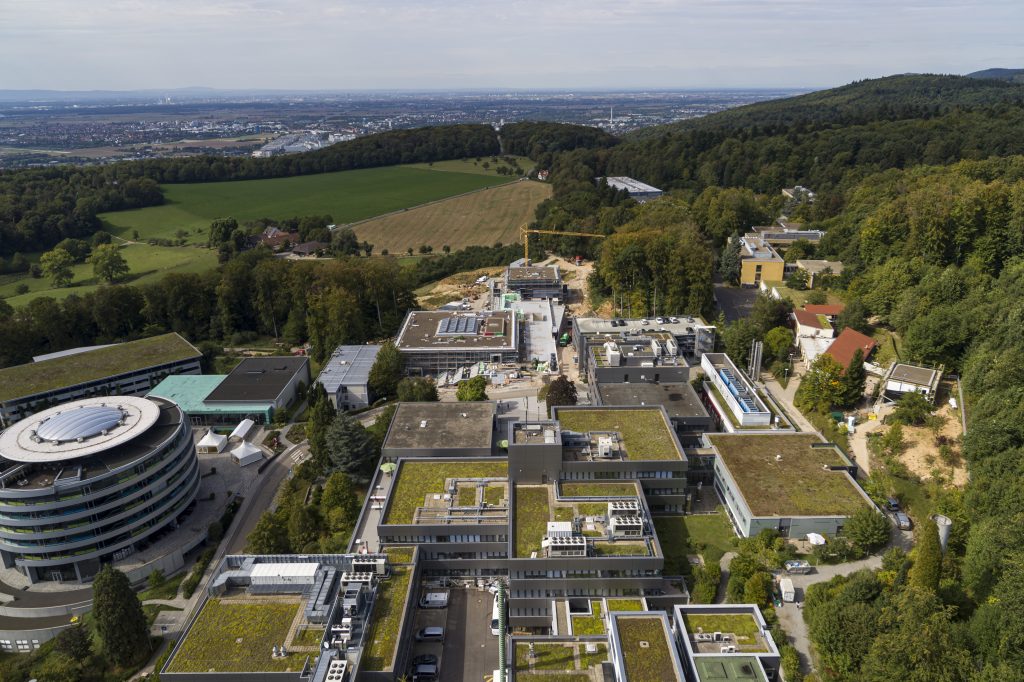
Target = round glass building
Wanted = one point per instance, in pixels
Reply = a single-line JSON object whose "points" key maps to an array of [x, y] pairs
{"points": [[89, 482]]}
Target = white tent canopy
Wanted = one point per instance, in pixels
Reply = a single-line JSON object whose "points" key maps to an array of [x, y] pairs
{"points": [[213, 440], [815, 538], [247, 453], [243, 428]]}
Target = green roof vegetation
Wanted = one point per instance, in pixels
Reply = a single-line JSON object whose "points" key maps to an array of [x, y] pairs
{"points": [[589, 625], [238, 637], [564, 514], [309, 637], [588, 660], [494, 494], [588, 489], [49, 375], [547, 656], [742, 625], [417, 479], [532, 516], [386, 619], [646, 434], [782, 475], [621, 548], [625, 605], [399, 555], [653, 663]]}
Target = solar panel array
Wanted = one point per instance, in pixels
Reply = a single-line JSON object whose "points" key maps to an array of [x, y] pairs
{"points": [[459, 326]]}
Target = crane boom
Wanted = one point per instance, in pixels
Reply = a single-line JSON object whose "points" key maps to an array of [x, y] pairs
{"points": [[527, 232]]}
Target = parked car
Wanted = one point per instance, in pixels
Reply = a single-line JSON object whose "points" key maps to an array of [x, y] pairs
{"points": [[892, 504], [434, 600], [430, 634], [903, 521], [424, 673], [424, 659]]}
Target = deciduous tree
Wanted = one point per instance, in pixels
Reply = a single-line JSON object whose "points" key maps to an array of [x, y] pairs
{"points": [[417, 390], [386, 371], [867, 529], [561, 391], [472, 390], [56, 265], [108, 264]]}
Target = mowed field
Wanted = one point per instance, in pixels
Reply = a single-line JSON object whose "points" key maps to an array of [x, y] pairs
{"points": [[346, 196], [482, 218], [147, 264]]}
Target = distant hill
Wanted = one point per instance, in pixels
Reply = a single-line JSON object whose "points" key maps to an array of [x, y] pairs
{"points": [[1011, 75], [890, 98], [818, 138]]}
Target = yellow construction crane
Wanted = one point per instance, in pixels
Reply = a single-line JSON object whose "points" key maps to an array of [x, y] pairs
{"points": [[527, 232]]}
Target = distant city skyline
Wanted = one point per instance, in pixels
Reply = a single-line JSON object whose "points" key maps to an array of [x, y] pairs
{"points": [[429, 44]]}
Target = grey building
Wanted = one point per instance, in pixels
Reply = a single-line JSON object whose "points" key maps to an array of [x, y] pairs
{"points": [[434, 342], [640, 191], [793, 483], [535, 282], [270, 380], [346, 376], [680, 400], [463, 429], [640, 358], [130, 368], [84, 484], [713, 654], [683, 337]]}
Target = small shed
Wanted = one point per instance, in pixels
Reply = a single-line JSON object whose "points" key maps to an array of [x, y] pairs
{"points": [[212, 443], [243, 429], [246, 453]]}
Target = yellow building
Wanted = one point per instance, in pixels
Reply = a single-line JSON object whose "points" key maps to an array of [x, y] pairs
{"points": [[759, 261]]}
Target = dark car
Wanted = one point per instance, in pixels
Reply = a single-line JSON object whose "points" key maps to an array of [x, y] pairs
{"points": [[892, 504], [424, 659], [424, 673]]}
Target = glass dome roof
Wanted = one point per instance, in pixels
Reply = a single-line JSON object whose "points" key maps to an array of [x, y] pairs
{"points": [[84, 422]]}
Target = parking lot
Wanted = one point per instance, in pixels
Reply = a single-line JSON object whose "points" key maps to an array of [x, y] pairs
{"points": [[470, 651]]}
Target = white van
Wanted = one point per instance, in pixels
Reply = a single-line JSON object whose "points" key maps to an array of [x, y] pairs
{"points": [[495, 618]]}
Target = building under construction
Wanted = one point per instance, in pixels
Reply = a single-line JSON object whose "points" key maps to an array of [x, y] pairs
{"points": [[535, 282], [434, 342]]}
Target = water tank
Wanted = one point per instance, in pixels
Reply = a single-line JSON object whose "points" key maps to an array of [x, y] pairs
{"points": [[944, 524]]}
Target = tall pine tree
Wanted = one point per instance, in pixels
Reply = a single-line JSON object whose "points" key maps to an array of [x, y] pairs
{"points": [[927, 568], [119, 619], [854, 378]]}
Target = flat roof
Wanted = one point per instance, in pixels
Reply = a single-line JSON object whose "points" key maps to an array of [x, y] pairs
{"points": [[679, 399], [912, 374], [258, 379], [238, 635], [729, 668], [686, 324], [348, 365], [434, 426], [190, 390], [817, 266], [533, 273], [629, 184], [756, 247], [653, 662], [645, 432], [99, 363], [783, 475], [306, 569], [78, 429], [453, 330], [418, 479]]}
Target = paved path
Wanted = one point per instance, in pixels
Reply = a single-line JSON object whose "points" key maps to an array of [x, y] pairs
{"points": [[784, 396], [723, 563]]}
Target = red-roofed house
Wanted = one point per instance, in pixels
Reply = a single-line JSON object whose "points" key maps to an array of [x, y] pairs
{"points": [[829, 311], [847, 343], [809, 324]]}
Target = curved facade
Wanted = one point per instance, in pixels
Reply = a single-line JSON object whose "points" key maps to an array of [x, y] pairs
{"points": [[90, 482]]}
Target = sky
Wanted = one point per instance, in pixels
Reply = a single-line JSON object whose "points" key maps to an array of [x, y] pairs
{"points": [[519, 44]]}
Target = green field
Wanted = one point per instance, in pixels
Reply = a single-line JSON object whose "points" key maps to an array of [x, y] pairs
{"points": [[346, 196], [147, 264]]}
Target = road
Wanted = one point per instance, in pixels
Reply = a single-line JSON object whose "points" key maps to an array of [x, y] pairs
{"points": [[258, 500]]}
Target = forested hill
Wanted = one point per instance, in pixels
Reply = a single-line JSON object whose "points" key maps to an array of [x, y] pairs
{"points": [[880, 99], [1012, 75], [818, 139]]}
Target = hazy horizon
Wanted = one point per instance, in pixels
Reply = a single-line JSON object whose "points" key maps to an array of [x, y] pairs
{"points": [[396, 45]]}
